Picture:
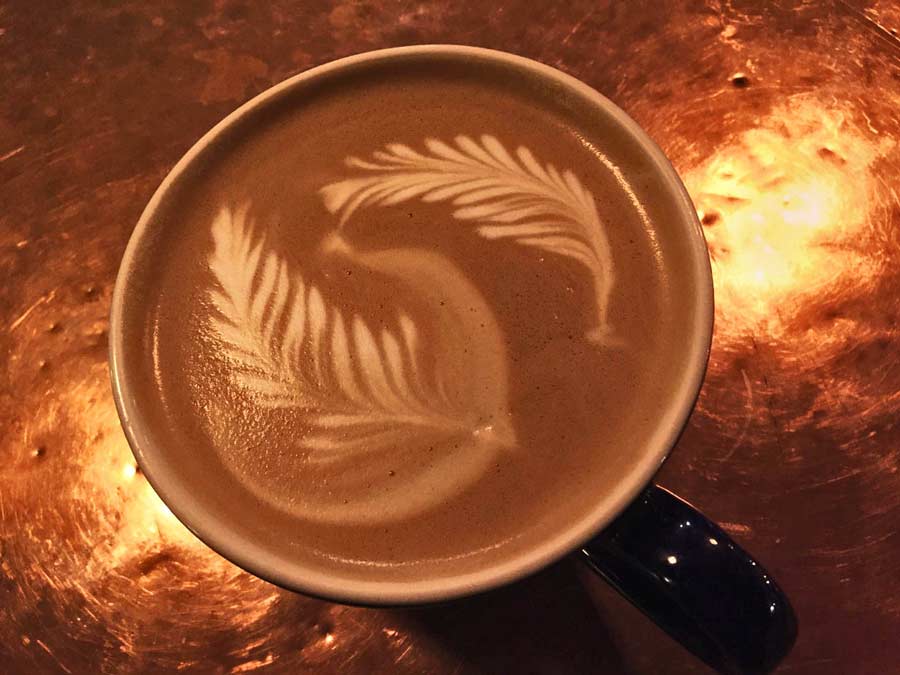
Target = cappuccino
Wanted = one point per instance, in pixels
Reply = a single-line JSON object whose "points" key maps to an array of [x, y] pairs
{"points": [[418, 315]]}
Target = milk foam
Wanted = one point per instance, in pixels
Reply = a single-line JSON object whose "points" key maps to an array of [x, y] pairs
{"points": [[361, 394], [364, 403]]}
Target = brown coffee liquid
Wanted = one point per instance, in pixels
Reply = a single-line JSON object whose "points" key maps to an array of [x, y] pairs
{"points": [[423, 316]]}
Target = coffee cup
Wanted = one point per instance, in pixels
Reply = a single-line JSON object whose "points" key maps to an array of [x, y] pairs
{"points": [[417, 323]]}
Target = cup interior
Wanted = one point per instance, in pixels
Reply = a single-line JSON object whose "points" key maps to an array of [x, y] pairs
{"points": [[214, 507]]}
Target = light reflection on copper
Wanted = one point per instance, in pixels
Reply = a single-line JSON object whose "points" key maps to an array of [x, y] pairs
{"points": [[117, 554], [109, 478], [129, 471], [785, 208], [143, 528]]}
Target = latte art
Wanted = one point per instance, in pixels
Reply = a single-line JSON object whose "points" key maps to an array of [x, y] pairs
{"points": [[411, 321], [508, 198], [362, 395]]}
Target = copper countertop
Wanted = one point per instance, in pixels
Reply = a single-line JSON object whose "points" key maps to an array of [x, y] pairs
{"points": [[783, 120]]}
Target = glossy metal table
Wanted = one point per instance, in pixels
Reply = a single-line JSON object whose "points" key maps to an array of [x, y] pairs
{"points": [[782, 118]]}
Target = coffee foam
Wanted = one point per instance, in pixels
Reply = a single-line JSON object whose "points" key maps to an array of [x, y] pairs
{"points": [[366, 405], [393, 338], [363, 400], [505, 196]]}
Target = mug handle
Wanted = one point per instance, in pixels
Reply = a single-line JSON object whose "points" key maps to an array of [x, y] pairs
{"points": [[682, 571]]}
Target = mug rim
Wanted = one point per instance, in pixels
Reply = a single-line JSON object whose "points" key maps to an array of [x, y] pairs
{"points": [[279, 568]]}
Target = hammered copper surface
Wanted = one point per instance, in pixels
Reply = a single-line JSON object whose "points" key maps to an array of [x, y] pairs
{"points": [[782, 118]]}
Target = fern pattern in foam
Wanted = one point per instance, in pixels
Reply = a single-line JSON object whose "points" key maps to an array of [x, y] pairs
{"points": [[510, 196], [287, 346]]}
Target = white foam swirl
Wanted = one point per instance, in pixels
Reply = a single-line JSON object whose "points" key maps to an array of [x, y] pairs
{"points": [[364, 402]]}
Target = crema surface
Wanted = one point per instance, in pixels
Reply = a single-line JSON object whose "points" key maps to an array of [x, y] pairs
{"points": [[421, 316]]}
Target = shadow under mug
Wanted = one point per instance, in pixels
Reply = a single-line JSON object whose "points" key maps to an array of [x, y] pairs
{"points": [[673, 563]]}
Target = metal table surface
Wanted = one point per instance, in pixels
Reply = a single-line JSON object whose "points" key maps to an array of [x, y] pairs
{"points": [[781, 117]]}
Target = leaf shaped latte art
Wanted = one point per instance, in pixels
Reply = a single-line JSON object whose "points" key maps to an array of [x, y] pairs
{"points": [[513, 196], [361, 393]]}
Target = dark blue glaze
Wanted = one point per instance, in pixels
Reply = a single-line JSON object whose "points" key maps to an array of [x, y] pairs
{"points": [[686, 574]]}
